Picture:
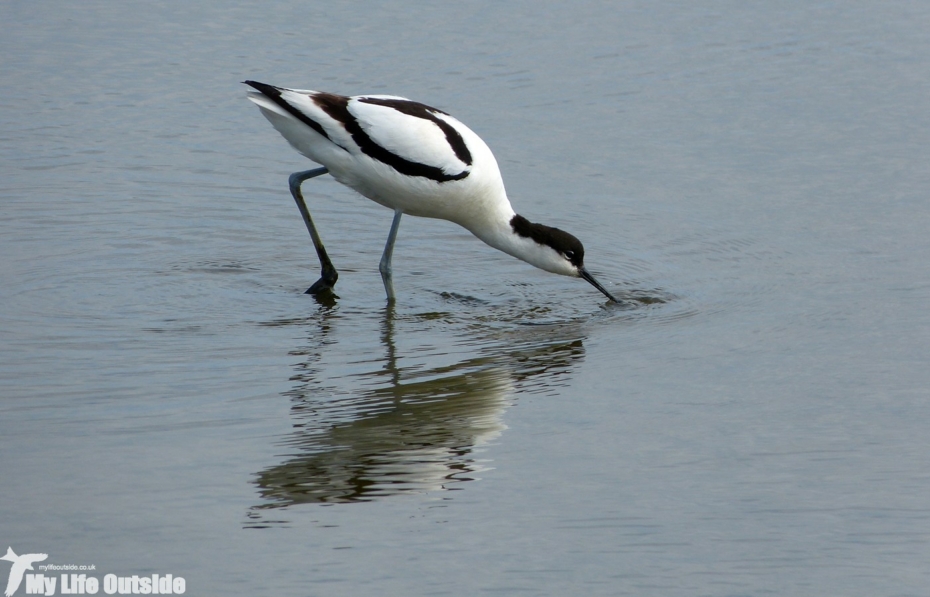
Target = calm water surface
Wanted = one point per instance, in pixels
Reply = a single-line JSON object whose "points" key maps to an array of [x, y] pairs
{"points": [[171, 403]]}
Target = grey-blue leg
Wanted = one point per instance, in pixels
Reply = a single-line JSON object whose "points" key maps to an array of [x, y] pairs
{"points": [[328, 275], [385, 267]]}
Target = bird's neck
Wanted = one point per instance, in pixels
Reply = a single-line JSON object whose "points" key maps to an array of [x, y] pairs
{"points": [[500, 234], [491, 223]]}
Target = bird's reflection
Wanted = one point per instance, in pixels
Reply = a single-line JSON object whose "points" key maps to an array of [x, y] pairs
{"points": [[402, 429]]}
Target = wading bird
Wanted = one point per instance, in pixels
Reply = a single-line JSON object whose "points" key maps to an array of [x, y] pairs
{"points": [[415, 160]]}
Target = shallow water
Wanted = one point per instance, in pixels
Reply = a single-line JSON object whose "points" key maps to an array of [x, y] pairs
{"points": [[170, 401]]}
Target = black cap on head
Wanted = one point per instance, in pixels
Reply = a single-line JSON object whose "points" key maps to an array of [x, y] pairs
{"points": [[561, 242]]}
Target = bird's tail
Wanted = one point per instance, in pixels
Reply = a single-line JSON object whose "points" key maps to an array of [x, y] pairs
{"points": [[10, 555]]}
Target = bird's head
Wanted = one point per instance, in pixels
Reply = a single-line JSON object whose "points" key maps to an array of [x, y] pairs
{"points": [[557, 251]]}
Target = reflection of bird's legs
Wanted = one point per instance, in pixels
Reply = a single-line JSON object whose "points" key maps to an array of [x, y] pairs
{"points": [[329, 274], [387, 338]]}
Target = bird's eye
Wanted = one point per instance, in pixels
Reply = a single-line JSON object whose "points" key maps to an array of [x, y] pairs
{"points": [[569, 255]]}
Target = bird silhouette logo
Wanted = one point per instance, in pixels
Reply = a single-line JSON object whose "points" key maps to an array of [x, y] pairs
{"points": [[19, 567]]}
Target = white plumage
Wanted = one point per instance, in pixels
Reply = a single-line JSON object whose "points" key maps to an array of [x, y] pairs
{"points": [[413, 159]]}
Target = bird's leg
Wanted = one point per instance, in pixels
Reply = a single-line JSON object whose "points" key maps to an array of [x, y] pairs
{"points": [[385, 266], [329, 274]]}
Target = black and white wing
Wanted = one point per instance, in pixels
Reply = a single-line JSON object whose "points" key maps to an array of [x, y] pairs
{"points": [[411, 138]]}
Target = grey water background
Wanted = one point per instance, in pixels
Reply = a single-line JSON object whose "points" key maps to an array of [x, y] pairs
{"points": [[170, 401]]}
